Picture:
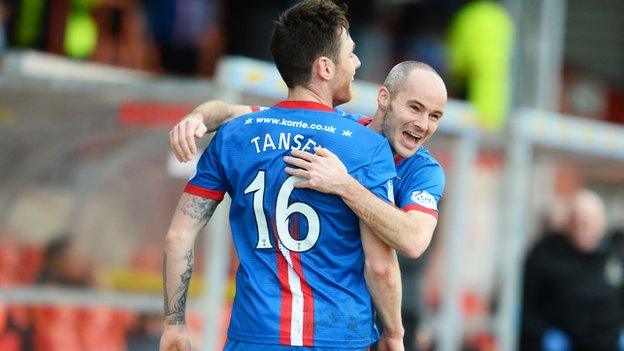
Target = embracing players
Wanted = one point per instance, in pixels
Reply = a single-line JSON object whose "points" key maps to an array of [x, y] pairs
{"points": [[411, 103], [309, 268]]}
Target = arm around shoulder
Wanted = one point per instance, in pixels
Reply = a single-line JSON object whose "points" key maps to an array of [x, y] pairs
{"points": [[206, 117], [408, 232], [216, 112]]}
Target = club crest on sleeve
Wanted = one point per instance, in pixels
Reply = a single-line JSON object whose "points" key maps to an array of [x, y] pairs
{"points": [[425, 199], [390, 187]]}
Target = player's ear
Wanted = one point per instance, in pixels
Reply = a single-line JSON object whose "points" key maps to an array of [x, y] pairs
{"points": [[325, 67], [383, 98]]}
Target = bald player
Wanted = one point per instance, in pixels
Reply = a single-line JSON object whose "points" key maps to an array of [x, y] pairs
{"points": [[410, 105]]}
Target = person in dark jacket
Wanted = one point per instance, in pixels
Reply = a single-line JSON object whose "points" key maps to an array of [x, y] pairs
{"points": [[574, 287]]}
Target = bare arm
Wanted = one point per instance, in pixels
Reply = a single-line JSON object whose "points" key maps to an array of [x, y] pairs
{"points": [[191, 215], [206, 117], [408, 232], [383, 278], [216, 112]]}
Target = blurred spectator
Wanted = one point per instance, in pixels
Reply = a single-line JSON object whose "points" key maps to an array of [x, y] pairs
{"points": [[248, 26], [480, 41], [424, 39], [63, 327], [66, 264], [122, 34], [177, 28], [56, 327], [574, 286]]}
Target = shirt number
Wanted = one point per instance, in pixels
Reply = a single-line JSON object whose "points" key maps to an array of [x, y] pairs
{"points": [[282, 211]]}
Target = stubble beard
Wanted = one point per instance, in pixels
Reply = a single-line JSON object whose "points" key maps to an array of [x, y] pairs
{"points": [[386, 129]]}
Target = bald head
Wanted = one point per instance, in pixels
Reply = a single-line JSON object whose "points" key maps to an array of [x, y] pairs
{"points": [[587, 223], [399, 74], [409, 106]]}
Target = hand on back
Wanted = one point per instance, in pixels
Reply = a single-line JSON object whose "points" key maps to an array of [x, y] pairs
{"points": [[322, 171]]}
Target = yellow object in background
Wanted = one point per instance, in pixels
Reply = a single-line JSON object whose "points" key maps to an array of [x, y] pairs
{"points": [[480, 44], [80, 35], [141, 281]]}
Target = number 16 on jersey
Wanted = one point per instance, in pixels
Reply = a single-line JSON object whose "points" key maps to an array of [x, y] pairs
{"points": [[282, 213]]}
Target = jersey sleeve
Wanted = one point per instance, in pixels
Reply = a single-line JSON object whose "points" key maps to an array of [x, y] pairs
{"points": [[356, 117], [381, 172], [257, 108], [208, 179], [422, 190]]}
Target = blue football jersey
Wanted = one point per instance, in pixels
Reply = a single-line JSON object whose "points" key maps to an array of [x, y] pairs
{"points": [[300, 279], [420, 180], [419, 184]]}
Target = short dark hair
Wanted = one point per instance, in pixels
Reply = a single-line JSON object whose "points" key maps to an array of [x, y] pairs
{"points": [[303, 33]]}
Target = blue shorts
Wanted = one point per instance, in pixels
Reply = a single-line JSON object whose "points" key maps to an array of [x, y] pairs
{"points": [[235, 345]]}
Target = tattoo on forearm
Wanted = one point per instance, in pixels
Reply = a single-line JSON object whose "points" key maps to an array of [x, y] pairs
{"points": [[176, 306], [197, 207]]}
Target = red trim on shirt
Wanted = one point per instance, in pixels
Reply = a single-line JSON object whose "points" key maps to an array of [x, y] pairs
{"points": [[398, 159], [365, 121], [306, 289], [307, 105], [286, 307], [419, 208], [286, 314], [254, 108], [205, 193]]}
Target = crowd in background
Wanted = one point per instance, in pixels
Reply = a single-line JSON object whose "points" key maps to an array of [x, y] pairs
{"points": [[186, 36], [62, 263], [470, 43]]}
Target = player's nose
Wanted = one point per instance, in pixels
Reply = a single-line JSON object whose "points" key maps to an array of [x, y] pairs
{"points": [[421, 122]]}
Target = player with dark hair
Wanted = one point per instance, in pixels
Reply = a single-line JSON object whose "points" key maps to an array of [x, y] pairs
{"points": [[309, 269], [410, 105]]}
